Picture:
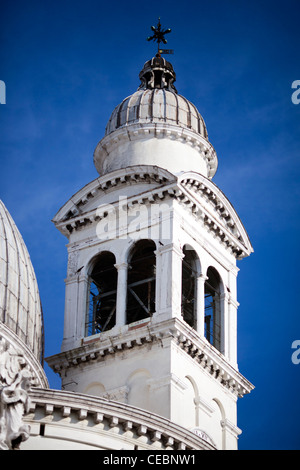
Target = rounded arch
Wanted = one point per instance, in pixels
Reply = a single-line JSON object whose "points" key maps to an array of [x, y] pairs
{"points": [[187, 247], [188, 409], [216, 272], [191, 270], [185, 241], [94, 259], [94, 388], [195, 386], [102, 293], [134, 245], [141, 280], [218, 418], [138, 388], [138, 372], [221, 407]]}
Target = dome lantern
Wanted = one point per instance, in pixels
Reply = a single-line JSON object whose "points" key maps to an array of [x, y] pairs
{"points": [[157, 73]]}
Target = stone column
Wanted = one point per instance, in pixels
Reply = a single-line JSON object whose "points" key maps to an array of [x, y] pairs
{"points": [[200, 303], [224, 324], [121, 294]]}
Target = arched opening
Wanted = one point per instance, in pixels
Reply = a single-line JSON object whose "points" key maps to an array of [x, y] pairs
{"points": [[102, 295], [212, 318], [141, 281], [189, 286]]}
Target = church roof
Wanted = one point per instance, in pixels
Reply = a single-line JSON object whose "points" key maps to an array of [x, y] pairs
{"points": [[20, 306]]}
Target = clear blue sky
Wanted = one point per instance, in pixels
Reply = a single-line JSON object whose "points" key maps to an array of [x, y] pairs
{"points": [[67, 64]]}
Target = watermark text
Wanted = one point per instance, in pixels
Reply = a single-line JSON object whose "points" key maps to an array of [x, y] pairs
{"points": [[123, 220], [296, 94], [2, 92], [296, 354]]}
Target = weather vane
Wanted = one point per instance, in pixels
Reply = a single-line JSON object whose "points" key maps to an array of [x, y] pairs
{"points": [[159, 36]]}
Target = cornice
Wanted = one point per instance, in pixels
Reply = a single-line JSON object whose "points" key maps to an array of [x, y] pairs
{"points": [[159, 432], [138, 131], [189, 189], [204, 188], [75, 206], [198, 348]]}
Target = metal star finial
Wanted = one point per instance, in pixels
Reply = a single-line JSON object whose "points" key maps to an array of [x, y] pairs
{"points": [[159, 34]]}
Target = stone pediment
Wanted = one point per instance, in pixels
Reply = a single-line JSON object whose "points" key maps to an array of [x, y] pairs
{"points": [[148, 184], [108, 188], [217, 212]]}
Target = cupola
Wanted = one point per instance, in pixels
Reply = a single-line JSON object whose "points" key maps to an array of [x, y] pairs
{"points": [[152, 127]]}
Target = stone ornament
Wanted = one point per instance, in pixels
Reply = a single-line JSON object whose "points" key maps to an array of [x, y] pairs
{"points": [[15, 382]]}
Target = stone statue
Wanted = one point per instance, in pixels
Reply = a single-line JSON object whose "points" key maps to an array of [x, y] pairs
{"points": [[15, 382]]}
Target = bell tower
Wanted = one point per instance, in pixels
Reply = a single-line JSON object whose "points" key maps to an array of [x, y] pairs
{"points": [[151, 287]]}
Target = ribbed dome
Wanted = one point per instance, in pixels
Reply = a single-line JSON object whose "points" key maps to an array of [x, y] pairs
{"points": [[156, 126], [20, 306], [157, 106]]}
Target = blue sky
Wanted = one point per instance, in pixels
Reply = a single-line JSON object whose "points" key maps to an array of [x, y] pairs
{"points": [[67, 64]]}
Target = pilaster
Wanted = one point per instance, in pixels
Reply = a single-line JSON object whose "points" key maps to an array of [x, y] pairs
{"points": [[230, 434], [168, 282], [75, 308], [232, 327]]}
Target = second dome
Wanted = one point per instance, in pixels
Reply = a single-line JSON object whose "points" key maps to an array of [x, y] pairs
{"points": [[157, 106], [156, 126]]}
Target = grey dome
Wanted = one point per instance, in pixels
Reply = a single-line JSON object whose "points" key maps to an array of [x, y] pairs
{"points": [[157, 106], [157, 101], [20, 306]]}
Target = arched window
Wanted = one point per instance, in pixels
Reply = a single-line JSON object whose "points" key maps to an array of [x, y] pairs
{"points": [[141, 281], [189, 286], [102, 295], [212, 320]]}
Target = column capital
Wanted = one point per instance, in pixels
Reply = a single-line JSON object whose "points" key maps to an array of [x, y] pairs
{"points": [[233, 302], [121, 266], [225, 296], [202, 277], [170, 247], [76, 278], [230, 427]]}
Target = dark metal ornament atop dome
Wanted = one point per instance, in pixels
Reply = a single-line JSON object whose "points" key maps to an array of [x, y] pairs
{"points": [[157, 73], [159, 34]]}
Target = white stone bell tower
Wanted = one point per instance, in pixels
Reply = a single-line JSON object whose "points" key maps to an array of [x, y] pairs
{"points": [[151, 289]]}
